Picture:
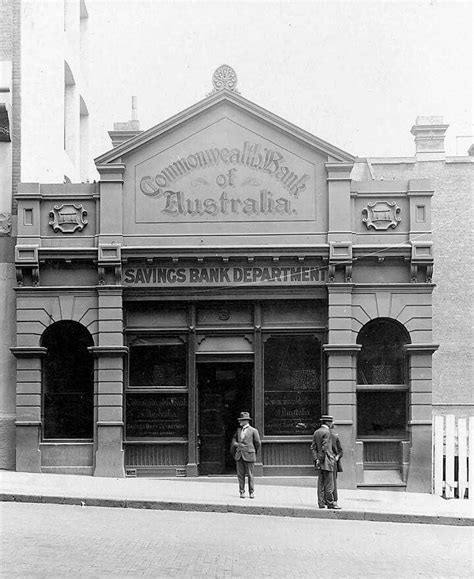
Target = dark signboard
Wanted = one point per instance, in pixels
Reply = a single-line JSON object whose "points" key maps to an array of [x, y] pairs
{"points": [[291, 412], [156, 414]]}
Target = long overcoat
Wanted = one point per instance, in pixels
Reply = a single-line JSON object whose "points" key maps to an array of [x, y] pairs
{"points": [[322, 450]]}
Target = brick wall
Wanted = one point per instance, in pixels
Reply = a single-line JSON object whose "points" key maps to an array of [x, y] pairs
{"points": [[452, 222]]}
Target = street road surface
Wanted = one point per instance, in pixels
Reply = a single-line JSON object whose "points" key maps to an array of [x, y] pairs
{"points": [[70, 541]]}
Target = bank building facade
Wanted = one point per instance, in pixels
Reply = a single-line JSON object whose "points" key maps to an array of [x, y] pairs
{"points": [[226, 260]]}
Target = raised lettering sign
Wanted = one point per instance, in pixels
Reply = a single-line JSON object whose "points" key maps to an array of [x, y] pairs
{"points": [[224, 276], [225, 173]]}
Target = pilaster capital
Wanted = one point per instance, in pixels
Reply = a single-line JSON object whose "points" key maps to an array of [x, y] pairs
{"points": [[421, 348], [342, 348], [339, 171], [110, 173], [29, 352], [340, 288], [109, 290], [108, 351]]}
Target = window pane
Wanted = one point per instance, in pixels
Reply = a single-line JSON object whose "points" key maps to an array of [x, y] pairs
{"points": [[158, 365], [292, 375], [156, 415], [381, 413], [382, 358]]}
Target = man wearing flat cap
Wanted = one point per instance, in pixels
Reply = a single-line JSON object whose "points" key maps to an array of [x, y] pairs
{"points": [[325, 460], [244, 447]]}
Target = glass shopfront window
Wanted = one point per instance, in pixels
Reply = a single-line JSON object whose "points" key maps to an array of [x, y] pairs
{"points": [[157, 397], [292, 384], [157, 364]]}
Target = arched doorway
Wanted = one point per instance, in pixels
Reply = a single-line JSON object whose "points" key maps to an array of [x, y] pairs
{"points": [[67, 382], [382, 394]]}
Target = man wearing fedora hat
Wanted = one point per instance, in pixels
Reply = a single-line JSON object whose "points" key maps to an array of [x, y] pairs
{"points": [[244, 447], [325, 461]]}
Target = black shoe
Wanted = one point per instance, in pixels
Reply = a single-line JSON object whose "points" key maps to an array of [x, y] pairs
{"points": [[334, 507], [321, 506], [251, 496], [242, 495]]}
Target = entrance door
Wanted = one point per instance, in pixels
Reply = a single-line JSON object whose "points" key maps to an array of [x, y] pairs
{"points": [[225, 390]]}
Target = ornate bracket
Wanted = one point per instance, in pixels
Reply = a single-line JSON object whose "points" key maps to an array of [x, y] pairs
{"points": [[27, 263]]}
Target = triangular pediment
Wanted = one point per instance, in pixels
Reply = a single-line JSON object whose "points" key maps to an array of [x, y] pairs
{"points": [[214, 104]]}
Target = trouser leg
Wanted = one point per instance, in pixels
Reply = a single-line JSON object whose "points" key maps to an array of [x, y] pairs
{"points": [[321, 499], [328, 485], [334, 492], [240, 466], [250, 474]]}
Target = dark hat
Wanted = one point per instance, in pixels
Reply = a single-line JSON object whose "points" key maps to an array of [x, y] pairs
{"points": [[244, 416], [326, 418]]}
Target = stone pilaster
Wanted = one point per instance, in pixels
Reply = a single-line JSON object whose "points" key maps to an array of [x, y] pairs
{"points": [[28, 408], [420, 423], [341, 355], [192, 464], [109, 384]]}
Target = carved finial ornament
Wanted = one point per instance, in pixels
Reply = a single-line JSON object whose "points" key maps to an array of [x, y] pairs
{"points": [[224, 77]]}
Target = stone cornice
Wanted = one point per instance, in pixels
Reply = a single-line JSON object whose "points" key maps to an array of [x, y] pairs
{"points": [[54, 290], [207, 103], [408, 288], [220, 252]]}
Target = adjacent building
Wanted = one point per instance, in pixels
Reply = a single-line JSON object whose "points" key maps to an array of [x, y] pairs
{"points": [[44, 126]]}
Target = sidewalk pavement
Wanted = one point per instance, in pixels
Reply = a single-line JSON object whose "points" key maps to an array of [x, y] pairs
{"points": [[279, 496]]}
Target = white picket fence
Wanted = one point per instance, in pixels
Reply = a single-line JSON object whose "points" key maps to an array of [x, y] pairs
{"points": [[453, 438]]}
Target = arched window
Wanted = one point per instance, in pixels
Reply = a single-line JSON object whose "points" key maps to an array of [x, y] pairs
{"points": [[382, 380], [382, 358], [68, 385]]}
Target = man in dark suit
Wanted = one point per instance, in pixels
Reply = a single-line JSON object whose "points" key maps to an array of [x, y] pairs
{"points": [[338, 453], [244, 447], [325, 461]]}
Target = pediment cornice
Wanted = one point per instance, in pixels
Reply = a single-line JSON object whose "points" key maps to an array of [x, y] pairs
{"points": [[235, 99]]}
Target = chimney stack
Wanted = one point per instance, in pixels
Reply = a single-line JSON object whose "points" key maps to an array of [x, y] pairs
{"points": [[124, 131], [429, 133]]}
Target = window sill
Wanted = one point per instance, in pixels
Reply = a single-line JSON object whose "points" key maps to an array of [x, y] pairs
{"points": [[379, 387]]}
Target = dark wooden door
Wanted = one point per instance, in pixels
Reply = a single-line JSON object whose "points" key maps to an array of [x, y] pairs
{"points": [[211, 430], [225, 390]]}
